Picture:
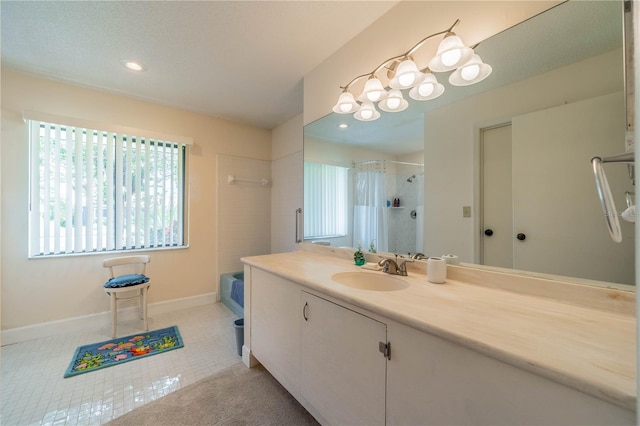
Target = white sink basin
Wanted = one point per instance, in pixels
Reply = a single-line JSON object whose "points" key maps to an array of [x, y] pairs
{"points": [[370, 281]]}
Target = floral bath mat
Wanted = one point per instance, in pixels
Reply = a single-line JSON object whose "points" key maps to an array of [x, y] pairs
{"points": [[95, 356]]}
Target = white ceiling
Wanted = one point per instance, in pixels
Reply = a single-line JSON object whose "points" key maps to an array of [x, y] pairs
{"points": [[239, 60]]}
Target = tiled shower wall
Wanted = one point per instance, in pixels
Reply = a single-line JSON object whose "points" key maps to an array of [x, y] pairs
{"points": [[402, 226], [244, 211]]}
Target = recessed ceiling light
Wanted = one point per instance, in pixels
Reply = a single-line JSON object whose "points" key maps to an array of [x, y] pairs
{"points": [[133, 65], [343, 126]]}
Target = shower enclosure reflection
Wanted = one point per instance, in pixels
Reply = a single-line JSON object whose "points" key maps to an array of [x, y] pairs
{"points": [[388, 206], [363, 197]]}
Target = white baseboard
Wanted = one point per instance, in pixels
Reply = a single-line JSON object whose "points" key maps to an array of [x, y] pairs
{"points": [[88, 322]]}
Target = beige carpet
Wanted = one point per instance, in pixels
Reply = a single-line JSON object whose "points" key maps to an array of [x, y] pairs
{"points": [[235, 396]]}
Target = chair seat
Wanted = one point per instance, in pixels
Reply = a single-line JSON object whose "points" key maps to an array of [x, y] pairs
{"points": [[126, 280], [119, 290]]}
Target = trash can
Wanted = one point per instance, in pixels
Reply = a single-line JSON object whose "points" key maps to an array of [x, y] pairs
{"points": [[239, 327]]}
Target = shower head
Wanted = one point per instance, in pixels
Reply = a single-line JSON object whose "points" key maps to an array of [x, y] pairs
{"points": [[411, 178]]}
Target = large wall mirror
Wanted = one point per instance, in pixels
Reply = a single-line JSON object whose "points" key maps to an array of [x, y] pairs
{"points": [[498, 173]]}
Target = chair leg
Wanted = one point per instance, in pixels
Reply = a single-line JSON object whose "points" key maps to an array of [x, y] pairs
{"points": [[114, 315], [144, 308], [141, 301]]}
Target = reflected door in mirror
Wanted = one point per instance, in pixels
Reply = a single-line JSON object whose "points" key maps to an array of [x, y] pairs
{"points": [[555, 201], [496, 194]]}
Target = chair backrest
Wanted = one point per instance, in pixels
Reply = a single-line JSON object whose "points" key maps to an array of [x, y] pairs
{"points": [[126, 265]]}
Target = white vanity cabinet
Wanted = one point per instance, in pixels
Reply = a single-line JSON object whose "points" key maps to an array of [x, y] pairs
{"points": [[343, 372], [326, 353]]}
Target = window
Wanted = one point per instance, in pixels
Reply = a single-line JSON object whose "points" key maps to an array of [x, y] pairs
{"points": [[325, 200], [94, 191]]}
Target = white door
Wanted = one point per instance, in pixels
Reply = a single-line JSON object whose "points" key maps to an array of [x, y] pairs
{"points": [[343, 373], [497, 214], [556, 206]]}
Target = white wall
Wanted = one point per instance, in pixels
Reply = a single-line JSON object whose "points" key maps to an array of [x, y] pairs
{"points": [[40, 290], [287, 185], [451, 144]]}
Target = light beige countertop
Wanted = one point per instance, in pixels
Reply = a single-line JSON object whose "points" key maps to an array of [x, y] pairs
{"points": [[592, 350]]}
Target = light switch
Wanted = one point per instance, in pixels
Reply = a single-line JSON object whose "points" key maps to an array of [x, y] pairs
{"points": [[466, 211]]}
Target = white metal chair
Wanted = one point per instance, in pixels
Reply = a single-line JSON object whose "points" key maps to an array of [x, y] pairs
{"points": [[128, 281]]}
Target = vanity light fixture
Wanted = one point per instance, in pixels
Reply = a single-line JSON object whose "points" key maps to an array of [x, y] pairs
{"points": [[472, 72], [373, 90], [452, 53], [403, 73], [394, 102], [367, 112], [428, 89], [346, 103], [406, 76]]}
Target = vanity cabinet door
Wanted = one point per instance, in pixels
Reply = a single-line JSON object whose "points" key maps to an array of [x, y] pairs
{"points": [[342, 370], [432, 381], [275, 327]]}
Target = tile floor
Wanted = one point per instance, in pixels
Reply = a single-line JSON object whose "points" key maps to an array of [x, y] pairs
{"points": [[33, 391]]}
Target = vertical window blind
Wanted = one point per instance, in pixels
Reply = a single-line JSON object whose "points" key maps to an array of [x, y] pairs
{"points": [[325, 200], [95, 190]]}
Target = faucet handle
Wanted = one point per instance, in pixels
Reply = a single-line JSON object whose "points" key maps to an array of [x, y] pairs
{"points": [[402, 266], [394, 267], [389, 265]]}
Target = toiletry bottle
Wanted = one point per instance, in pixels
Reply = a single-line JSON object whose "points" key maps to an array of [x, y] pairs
{"points": [[372, 246], [358, 256]]}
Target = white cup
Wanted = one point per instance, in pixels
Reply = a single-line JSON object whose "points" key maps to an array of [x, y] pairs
{"points": [[436, 270]]}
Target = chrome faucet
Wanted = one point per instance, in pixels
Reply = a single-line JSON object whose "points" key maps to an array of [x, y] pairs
{"points": [[419, 256], [394, 267]]}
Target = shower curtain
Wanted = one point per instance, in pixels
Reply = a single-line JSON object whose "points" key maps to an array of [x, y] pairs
{"points": [[370, 210]]}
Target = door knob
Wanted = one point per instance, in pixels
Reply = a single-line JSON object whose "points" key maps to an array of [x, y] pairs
{"points": [[521, 236], [488, 232]]}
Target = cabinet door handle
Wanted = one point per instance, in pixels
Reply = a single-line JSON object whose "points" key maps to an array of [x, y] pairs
{"points": [[304, 311], [385, 348]]}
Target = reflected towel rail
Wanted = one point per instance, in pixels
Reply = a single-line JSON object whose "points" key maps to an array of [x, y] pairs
{"points": [[232, 179], [604, 191], [627, 158]]}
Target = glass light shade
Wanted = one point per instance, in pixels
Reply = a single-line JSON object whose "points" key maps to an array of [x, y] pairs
{"points": [[346, 104], [367, 112], [394, 102], [373, 91], [428, 89], [452, 53], [407, 75], [472, 72]]}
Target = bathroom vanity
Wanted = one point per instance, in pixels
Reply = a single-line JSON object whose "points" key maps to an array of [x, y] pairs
{"points": [[483, 348]]}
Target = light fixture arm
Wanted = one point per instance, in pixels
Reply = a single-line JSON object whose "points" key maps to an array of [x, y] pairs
{"points": [[356, 79], [421, 42], [404, 55]]}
